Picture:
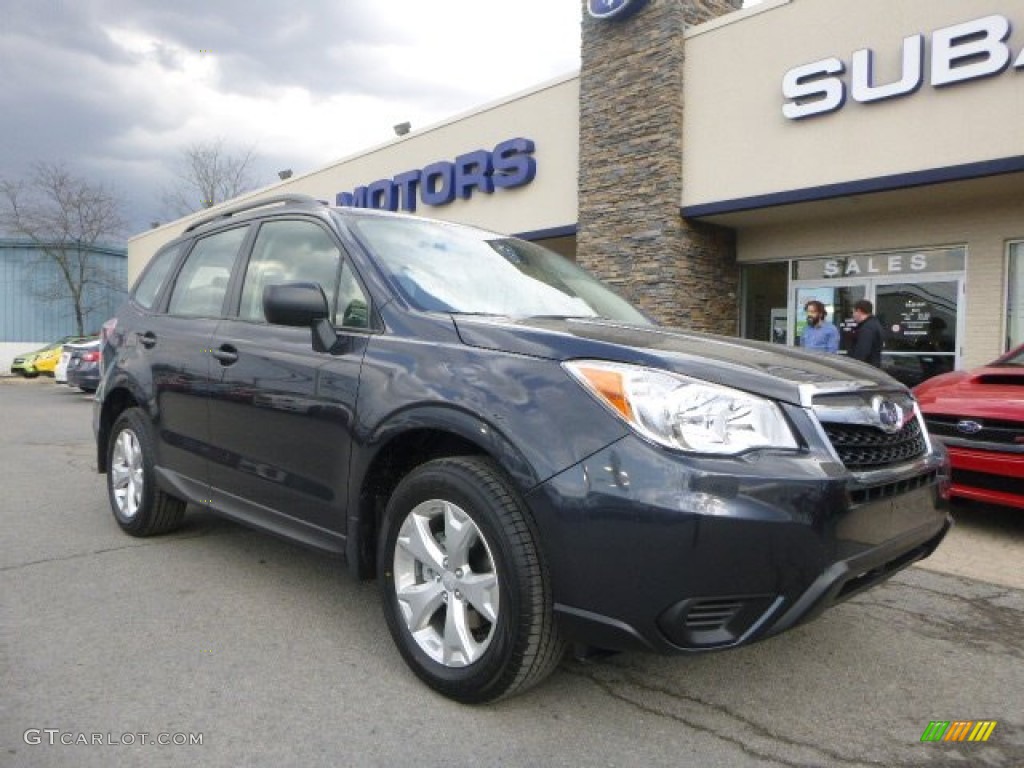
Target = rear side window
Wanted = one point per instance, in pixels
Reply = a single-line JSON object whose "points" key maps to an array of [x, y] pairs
{"points": [[289, 252], [152, 280], [203, 280]]}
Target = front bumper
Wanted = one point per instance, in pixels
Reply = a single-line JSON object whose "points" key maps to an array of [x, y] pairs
{"points": [[21, 367], [654, 551], [987, 476]]}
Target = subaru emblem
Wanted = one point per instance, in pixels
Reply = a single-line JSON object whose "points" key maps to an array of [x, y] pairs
{"points": [[613, 9], [968, 427], [890, 415]]}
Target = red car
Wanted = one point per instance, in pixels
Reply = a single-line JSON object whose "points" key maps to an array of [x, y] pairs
{"points": [[979, 416]]}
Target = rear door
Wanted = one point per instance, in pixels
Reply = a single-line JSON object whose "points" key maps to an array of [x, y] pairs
{"points": [[177, 345], [282, 414]]}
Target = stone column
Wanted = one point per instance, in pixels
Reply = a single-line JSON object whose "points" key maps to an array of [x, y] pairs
{"points": [[630, 230]]}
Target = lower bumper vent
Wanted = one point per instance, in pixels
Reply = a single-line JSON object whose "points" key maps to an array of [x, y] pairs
{"points": [[715, 621]]}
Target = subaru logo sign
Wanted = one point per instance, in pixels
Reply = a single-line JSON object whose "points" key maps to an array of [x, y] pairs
{"points": [[968, 427], [890, 415], [613, 9]]}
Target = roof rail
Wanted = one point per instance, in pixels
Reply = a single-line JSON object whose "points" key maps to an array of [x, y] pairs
{"points": [[276, 199]]}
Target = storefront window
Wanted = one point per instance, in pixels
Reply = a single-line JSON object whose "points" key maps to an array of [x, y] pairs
{"points": [[916, 295], [764, 301], [1015, 296]]}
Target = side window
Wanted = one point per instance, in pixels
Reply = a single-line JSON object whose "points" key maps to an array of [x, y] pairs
{"points": [[288, 252], [148, 287], [203, 280], [353, 306]]}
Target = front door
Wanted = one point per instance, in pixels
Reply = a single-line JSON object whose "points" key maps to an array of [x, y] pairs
{"points": [[281, 414], [917, 297], [920, 321]]}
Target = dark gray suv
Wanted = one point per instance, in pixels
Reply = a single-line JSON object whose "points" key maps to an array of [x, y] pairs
{"points": [[517, 454]]}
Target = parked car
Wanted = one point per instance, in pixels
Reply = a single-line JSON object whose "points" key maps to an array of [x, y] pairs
{"points": [[979, 415], [60, 373], [43, 360], [520, 457], [83, 369]]}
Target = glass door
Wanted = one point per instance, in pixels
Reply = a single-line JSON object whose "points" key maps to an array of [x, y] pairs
{"points": [[921, 328], [920, 320], [917, 297], [838, 301]]}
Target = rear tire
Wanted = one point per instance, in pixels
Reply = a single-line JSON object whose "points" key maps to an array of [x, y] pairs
{"points": [[139, 506], [466, 593]]}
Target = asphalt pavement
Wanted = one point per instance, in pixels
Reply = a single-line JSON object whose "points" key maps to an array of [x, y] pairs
{"points": [[268, 654]]}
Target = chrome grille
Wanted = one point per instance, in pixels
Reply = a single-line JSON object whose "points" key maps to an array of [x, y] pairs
{"points": [[862, 447], [991, 431]]}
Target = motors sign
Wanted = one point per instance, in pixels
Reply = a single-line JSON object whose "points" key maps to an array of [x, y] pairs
{"points": [[958, 54], [510, 164]]}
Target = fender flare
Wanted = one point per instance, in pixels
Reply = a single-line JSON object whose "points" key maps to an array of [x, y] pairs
{"points": [[456, 421]]}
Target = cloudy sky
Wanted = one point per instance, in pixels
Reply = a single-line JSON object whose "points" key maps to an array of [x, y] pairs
{"points": [[116, 88]]}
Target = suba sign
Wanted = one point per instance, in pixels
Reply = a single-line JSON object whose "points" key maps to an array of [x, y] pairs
{"points": [[957, 54]]}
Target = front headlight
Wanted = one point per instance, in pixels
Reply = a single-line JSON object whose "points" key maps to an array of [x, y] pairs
{"points": [[683, 413]]}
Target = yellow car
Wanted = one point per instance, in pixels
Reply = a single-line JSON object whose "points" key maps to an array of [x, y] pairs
{"points": [[44, 360]]}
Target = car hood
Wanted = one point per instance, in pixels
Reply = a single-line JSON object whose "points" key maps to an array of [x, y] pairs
{"points": [[992, 392], [769, 370]]}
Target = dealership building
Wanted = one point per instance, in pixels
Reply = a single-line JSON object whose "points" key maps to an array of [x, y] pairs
{"points": [[721, 167]]}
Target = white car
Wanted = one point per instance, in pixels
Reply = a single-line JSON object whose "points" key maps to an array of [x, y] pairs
{"points": [[60, 373]]}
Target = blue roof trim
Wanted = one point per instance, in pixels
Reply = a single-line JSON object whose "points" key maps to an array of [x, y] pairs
{"points": [[542, 234], [859, 187]]}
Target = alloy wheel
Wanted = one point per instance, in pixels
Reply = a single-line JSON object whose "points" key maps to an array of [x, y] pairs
{"points": [[127, 474], [446, 583]]}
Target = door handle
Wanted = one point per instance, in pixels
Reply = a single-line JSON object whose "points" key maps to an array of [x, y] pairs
{"points": [[147, 339], [226, 354]]}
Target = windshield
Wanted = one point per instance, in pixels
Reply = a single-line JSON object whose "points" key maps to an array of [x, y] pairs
{"points": [[440, 267]]}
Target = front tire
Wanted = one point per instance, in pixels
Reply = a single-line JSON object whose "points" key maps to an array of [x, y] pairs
{"points": [[139, 506], [466, 593]]}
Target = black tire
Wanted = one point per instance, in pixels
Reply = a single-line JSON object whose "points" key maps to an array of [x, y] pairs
{"points": [[510, 643], [139, 506]]}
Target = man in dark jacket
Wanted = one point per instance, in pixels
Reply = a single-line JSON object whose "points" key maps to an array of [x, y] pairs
{"points": [[867, 336]]}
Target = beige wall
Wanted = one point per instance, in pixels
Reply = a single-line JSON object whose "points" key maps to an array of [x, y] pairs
{"points": [[738, 143], [548, 115]]}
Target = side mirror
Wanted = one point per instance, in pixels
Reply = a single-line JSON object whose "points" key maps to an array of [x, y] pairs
{"points": [[301, 304], [294, 304]]}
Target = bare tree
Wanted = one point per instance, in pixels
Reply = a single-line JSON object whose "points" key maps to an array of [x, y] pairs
{"points": [[209, 173], [67, 218]]}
